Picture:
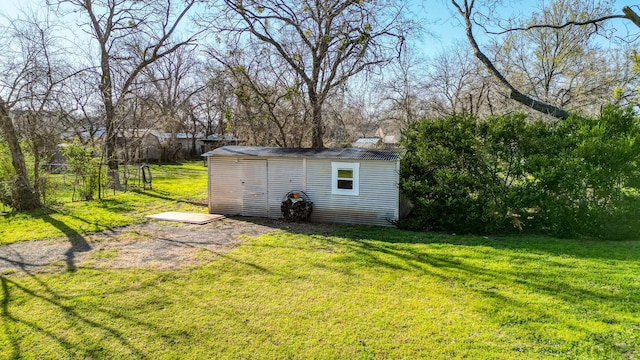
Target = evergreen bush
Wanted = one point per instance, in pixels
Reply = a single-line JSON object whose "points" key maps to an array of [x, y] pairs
{"points": [[511, 173]]}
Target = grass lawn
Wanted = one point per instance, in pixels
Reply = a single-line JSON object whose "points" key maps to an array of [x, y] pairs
{"points": [[178, 187], [352, 292], [342, 292]]}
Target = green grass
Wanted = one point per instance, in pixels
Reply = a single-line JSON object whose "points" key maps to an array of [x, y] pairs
{"points": [[181, 187], [349, 293], [344, 292]]}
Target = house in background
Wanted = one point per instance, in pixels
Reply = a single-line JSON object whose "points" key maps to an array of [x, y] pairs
{"points": [[379, 141], [215, 141], [357, 186], [188, 143], [178, 145], [150, 148], [368, 143], [135, 145], [143, 145]]}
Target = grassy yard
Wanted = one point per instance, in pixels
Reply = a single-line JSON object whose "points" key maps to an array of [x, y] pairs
{"points": [[181, 187], [337, 292], [352, 292]]}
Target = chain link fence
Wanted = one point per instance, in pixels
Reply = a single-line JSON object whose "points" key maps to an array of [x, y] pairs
{"points": [[57, 184]]}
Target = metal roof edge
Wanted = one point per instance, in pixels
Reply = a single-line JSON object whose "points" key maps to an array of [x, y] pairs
{"points": [[329, 153]]}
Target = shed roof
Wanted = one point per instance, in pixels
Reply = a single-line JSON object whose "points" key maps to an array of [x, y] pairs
{"points": [[218, 137], [326, 153], [368, 140]]}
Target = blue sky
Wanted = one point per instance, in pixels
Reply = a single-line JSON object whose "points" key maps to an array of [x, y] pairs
{"points": [[445, 27], [437, 17]]}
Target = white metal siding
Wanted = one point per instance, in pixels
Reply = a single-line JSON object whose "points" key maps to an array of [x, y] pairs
{"points": [[376, 204], [284, 175], [254, 187], [224, 186]]}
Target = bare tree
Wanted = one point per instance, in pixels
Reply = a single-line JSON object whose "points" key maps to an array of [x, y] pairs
{"points": [[406, 90], [30, 76], [325, 42], [564, 67], [214, 104], [172, 82], [458, 83], [130, 36], [559, 31], [355, 113], [466, 9], [625, 64], [79, 107], [270, 108]]}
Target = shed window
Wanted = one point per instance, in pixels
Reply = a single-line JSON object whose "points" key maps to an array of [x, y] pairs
{"points": [[345, 178]]}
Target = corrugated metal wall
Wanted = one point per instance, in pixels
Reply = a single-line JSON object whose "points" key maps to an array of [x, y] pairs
{"points": [[284, 175], [377, 202], [254, 185], [224, 186], [238, 186]]}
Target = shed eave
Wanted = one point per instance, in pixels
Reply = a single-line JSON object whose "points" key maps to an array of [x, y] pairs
{"points": [[308, 153]]}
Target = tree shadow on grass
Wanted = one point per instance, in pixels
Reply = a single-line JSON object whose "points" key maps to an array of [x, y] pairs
{"points": [[512, 275], [11, 320], [222, 254], [41, 292], [78, 243], [531, 244], [115, 205], [156, 194], [395, 249]]}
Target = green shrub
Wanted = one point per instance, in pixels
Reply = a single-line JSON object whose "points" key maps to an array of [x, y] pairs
{"points": [[7, 175], [444, 174], [82, 163], [510, 173]]}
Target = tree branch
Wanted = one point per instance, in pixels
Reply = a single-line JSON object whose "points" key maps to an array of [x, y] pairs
{"points": [[562, 26], [514, 93], [629, 14]]}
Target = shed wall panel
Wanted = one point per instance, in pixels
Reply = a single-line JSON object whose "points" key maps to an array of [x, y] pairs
{"points": [[224, 186], [254, 184], [284, 175], [376, 204]]}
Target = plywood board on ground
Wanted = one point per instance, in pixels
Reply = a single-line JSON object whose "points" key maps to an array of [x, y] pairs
{"points": [[191, 218]]}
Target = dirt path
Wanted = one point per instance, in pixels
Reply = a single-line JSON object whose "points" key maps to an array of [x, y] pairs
{"points": [[157, 245]]}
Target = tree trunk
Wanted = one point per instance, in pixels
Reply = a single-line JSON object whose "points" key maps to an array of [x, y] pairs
{"points": [[36, 170], [110, 148], [110, 122], [194, 121], [24, 197], [317, 131], [514, 93]]}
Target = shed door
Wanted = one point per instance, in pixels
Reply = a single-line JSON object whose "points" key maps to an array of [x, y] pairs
{"points": [[254, 188]]}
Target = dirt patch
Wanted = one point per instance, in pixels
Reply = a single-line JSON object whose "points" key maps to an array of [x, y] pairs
{"points": [[155, 244]]}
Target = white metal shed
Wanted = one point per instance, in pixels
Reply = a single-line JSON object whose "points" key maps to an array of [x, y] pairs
{"points": [[357, 186]]}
